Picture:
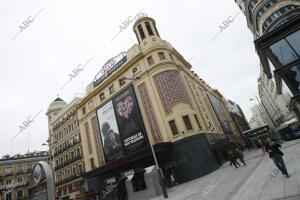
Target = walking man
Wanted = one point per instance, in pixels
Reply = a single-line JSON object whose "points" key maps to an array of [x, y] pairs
{"points": [[232, 159], [276, 155], [239, 154]]}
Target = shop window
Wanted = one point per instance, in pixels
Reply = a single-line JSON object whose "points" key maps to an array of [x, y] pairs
{"points": [[150, 60], [197, 121], [173, 127], [149, 29], [187, 122], [292, 78], [141, 31], [138, 181], [161, 55]]}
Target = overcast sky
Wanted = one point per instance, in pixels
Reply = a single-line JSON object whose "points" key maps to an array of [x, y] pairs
{"points": [[37, 62]]}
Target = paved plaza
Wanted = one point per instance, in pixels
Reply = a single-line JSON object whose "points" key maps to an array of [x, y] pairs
{"points": [[258, 180]]}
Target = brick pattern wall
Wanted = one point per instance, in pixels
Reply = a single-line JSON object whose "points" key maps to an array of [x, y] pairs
{"points": [[171, 89], [150, 113], [98, 140]]}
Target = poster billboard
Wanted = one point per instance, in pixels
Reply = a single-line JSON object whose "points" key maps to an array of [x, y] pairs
{"points": [[220, 113], [121, 126], [130, 121], [110, 134]]}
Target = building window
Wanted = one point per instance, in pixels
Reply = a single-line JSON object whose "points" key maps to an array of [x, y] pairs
{"points": [[277, 14], [161, 55], [173, 127], [122, 81], [20, 180], [91, 104], [111, 89], [20, 194], [156, 31], [150, 60], [88, 136], [149, 29], [8, 196], [102, 96], [187, 123], [92, 163], [197, 121], [83, 110], [171, 57], [141, 31]]}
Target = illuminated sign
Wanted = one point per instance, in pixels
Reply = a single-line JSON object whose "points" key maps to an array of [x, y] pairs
{"points": [[12, 185], [109, 67]]}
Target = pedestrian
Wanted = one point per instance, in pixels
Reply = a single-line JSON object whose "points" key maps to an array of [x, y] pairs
{"points": [[239, 154], [276, 155], [232, 159]]}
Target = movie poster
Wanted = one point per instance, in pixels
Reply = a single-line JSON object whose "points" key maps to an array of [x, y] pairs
{"points": [[130, 121], [220, 113], [110, 135]]}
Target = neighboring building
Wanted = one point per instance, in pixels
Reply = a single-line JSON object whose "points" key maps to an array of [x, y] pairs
{"points": [[15, 174], [238, 116], [149, 96], [277, 105], [275, 25], [66, 148], [259, 117]]}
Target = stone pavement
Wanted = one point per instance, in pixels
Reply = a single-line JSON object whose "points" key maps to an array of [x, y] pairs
{"points": [[258, 180]]}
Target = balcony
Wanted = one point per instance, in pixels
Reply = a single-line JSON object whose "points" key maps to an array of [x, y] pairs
{"points": [[28, 171], [69, 179], [9, 174], [68, 146], [66, 163], [19, 172]]}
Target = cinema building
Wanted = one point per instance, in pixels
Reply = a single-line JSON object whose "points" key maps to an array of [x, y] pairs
{"points": [[15, 174], [146, 96]]}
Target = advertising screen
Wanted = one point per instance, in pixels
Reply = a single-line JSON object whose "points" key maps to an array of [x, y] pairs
{"points": [[121, 125], [130, 121], [110, 134]]}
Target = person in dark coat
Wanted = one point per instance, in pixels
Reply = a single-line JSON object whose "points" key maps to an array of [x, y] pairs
{"points": [[276, 155], [232, 159], [239, 154]]}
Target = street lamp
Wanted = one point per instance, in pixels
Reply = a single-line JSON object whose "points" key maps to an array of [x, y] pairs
{"points": [[160, 174]]}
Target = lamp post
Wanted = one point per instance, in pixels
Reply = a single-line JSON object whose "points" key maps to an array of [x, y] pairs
{"points": [[160, 173], [48, 143]]}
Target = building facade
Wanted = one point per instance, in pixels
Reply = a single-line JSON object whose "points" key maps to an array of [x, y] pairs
{"points": [[15, 173], [66, 148], [275, 26], [259, 117], [146, 96], [238, 116], [277, 105]]}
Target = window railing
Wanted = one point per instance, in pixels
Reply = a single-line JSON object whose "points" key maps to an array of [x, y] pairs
{"points": [[68, 162], [68, 146], [69, 179]]}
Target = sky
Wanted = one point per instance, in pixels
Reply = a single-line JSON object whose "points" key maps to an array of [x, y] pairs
{"points": [[42, 42]]}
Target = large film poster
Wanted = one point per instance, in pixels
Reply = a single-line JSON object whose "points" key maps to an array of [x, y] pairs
{"points": [[130, 121], [220, 113], [111, 140]]}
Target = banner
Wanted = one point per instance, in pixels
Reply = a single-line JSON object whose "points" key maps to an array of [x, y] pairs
{"points": [[110, 135], [130, 121], [220, 113]]}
